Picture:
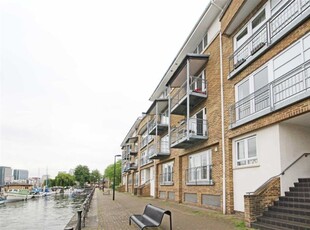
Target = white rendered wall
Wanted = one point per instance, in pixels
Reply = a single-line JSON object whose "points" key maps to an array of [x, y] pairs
{"points": [[294, 141], [248, 179]]}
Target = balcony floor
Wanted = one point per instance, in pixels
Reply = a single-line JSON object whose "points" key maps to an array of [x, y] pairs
{"points": [[187, 143]]}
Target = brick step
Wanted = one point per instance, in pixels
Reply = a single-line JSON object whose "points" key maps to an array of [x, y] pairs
{"points": [[264, 226], [304, 179], [284, 223], [300, 189], [287, 216], [295, 211], [302, 184], [294, 199], [298, 194], [292, 204]]}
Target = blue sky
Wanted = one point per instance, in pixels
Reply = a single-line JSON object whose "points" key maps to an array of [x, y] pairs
{"points": [[75, 75]]}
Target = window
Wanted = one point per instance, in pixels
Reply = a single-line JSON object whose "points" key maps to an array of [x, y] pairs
{"points": [[136, 179], [246, 151], [258, 20], [200, 166], [250, 28], [167, 173], [164, 144], [251, 97], [202, 45]]}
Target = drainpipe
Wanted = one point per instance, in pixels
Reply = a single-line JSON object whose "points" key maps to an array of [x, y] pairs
{"points": [[187, 95], [223, 126], [222, 114]]}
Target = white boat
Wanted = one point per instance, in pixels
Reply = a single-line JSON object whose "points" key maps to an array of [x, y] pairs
{"points": [[17, 195]]}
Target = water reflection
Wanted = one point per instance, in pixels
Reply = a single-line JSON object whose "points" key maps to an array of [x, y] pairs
{"points": [[46, 213]]}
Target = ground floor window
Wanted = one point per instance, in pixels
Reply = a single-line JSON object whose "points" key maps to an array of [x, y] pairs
{"points": [[200, 168], [167, 174], [246, 153]]}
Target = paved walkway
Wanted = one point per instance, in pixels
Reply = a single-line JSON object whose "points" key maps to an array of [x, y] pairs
{"points": [[109, 215]]}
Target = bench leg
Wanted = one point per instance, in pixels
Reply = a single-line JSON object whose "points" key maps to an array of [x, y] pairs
{"points": [[170, 222], [129, 220]]}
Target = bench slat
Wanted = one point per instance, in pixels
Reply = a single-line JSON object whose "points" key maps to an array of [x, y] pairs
{"points": [[151, 217]]}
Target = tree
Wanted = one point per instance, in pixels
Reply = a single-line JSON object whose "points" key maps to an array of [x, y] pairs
{"points": [[64, 179], [81, 174], [109, 172], [95, 176]]}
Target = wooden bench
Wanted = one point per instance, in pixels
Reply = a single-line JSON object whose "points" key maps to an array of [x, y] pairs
{"points": [[151, 217]]}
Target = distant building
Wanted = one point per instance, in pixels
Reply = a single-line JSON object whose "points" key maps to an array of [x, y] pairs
{"points": [[71, 172], [5, 175], [20, 174]]}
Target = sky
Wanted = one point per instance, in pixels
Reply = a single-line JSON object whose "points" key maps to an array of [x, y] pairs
{"points": [[75, 75]]}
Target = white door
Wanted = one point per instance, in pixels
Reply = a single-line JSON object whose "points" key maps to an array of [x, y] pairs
{"points": [[152, 182]]}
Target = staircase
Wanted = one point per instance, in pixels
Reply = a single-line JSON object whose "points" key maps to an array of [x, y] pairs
{"points": [[291, 211]]}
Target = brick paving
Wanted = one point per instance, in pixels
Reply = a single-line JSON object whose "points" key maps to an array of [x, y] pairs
{"points": [[109, 215]]}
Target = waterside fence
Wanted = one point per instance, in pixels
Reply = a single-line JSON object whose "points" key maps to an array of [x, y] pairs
{"points": [[78, 220]]}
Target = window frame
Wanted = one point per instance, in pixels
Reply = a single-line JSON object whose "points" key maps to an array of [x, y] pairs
{"points": [[197, 177], [248, 25], [246, 158]]}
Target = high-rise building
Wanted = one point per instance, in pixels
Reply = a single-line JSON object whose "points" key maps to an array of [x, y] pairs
{"points": [[5, 175], [20, 174]]}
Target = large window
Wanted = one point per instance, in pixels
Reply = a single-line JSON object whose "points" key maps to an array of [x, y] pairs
{"points": [[246, 151], [167, 173], [200, 168]]}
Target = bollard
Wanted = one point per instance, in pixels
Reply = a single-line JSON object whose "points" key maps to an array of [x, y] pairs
{"points": [[79, 225]]}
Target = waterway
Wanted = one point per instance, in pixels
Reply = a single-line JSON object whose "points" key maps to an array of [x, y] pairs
{"points": [[44, 213]]}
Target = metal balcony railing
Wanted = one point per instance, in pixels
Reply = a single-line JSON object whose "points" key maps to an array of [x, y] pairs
{"points": [[199, 175], [265, 35], [160, 119], [197, 85], [166, 178], [145, 141], [287, 89], [197, 127]]}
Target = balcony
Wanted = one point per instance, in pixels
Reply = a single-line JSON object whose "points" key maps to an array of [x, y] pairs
{"points": [[290, 15], [189, 132], [199, 175], [284, 91], [159, 121], [166, 178], [126, 167], [197, 93], [144, 142], [158, 125], [161, 150], [133, 166], [125, 155]]}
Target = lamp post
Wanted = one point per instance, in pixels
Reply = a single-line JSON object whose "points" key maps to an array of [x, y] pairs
{"points": [[114, 175]]}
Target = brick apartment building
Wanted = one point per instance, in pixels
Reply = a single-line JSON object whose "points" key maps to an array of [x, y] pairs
{"points": [[229, 124]]}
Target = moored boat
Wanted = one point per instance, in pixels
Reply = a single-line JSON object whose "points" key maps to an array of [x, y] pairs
{"points": [[17, 195]]}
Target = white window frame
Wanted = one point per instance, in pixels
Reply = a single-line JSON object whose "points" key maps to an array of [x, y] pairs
{"points": [[250, 31], [192, 159], [249, 161], [167, 171]]}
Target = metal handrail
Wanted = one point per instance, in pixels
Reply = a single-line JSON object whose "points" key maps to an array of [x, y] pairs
{"points": [[282, 173]]}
